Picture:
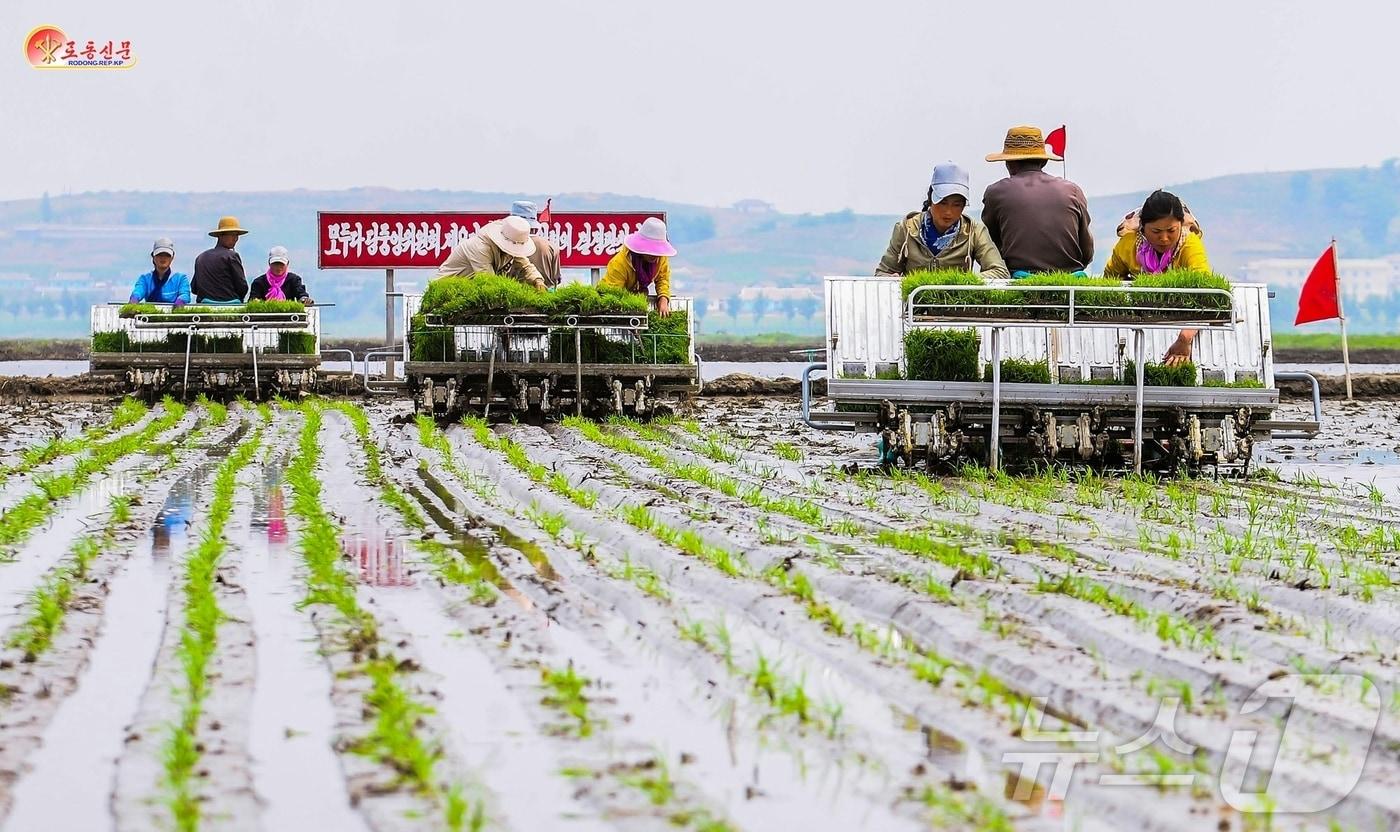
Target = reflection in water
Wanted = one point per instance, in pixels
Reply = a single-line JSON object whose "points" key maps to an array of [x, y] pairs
{"points": [[270, 504], [380, 558], [173, 521]]}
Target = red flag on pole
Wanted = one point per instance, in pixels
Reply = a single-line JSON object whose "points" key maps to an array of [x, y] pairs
{"points": [[1056, 141], [1318, 299], [544, 215]]}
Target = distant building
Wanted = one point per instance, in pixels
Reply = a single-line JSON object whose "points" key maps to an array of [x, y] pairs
{"points": [[753, 206], [1361, 279]]}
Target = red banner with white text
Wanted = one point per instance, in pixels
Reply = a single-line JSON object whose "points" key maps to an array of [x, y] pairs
{"points": [[422, 240]]}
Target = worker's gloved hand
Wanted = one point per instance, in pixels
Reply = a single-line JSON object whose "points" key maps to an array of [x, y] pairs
{"points": [[663, 306], [307, 302], [178, 303]]}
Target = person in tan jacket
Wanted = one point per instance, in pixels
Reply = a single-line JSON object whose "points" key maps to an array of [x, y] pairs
{"points": [[502, 247], [941, 236]]}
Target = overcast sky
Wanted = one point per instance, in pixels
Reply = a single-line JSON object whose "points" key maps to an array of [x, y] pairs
{"points": [[814, 106]]}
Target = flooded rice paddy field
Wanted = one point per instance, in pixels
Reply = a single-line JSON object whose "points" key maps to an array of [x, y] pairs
{"points": [[331, 615]]}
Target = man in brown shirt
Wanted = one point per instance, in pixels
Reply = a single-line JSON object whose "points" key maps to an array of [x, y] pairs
{"points": [[1039, 222]]}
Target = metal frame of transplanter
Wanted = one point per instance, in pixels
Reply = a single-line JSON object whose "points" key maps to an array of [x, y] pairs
{"points": [[517, 346], [259, 332], [867, 322]]}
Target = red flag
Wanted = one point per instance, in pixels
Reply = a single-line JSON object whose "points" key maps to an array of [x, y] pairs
{"points": [[1056, 141], [1318, 299], [543, 215]]}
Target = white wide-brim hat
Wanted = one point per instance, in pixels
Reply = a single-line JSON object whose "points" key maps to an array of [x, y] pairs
{"points": [[511, 235]]}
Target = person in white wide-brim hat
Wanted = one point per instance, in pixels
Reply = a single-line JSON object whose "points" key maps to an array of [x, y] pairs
{"points": [[502, 247], [643, 261]]}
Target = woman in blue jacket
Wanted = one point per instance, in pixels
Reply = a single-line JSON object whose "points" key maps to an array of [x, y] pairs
{"points": [[160, 284]]}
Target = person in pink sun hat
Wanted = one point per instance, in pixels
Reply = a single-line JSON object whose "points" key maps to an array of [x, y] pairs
{"points": [[643, 261]]}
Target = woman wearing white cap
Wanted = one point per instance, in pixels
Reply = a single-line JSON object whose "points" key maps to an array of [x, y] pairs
{"points": [[160, 284], [644, 260], [941, 236], [278, 283]]}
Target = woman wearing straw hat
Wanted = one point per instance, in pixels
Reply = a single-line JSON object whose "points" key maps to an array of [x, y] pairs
{"points": [[1040, 223], [218, 272], [644, 260], [502, 247], [941, 236]]}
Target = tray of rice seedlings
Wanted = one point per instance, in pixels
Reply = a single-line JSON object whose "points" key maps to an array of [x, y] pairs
{"points": [[296, 343], [1096, 299], [1160, 375], [1166, 306], [480, 298], [941, 354], [1020, 371]]}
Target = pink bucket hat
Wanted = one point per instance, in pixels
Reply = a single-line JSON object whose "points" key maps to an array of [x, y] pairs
{"points": [[650, 239]]}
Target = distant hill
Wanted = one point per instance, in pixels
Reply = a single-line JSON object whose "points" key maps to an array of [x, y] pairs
{"points": [[88, 247]]}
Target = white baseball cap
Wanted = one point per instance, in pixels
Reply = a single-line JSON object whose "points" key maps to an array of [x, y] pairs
{"points": [[950, 179], [278, 254], [163, 246]]}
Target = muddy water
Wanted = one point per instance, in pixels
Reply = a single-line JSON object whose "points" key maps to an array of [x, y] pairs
{"points": [[295, 770], [70, 785], [491, 732], [1359, 445], [52, 543]]}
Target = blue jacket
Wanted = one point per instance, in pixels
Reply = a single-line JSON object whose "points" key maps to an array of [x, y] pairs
{"points": [[176, 288]]}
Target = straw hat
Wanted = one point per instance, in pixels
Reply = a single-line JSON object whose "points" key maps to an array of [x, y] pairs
{"points": [[228, 225], [1023, 143], [650, 239], [511, 235]]}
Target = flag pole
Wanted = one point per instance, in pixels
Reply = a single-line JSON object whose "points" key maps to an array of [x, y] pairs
{"points": [[1341, 316]]}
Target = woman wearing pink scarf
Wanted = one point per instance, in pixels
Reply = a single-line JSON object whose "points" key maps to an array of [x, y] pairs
{"points": [[1162, 243], [278, 283]]}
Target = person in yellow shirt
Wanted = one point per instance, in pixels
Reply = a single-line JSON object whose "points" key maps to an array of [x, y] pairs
{"points": [[643, 261], [1162, 242]]}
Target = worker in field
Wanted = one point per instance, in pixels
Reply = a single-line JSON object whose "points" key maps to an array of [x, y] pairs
{"points": [[501, 247], [218, 272], [279, 283], [546, 256], [1165, 241], [643, 261], [941, 236], [162, 284], [1039, 222]]}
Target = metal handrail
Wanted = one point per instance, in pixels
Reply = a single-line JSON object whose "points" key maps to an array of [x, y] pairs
{"points": [[393, 351], [1316, 400], [1070, 308]]}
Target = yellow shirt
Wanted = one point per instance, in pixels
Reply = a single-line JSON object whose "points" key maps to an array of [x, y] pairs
{"points": [[621, 275], [1123, 262]]}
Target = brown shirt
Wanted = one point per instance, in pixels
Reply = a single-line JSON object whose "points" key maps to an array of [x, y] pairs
{"points": [[546, 260], [1039, 223]]}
